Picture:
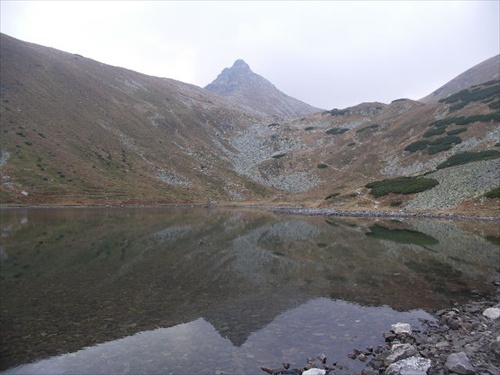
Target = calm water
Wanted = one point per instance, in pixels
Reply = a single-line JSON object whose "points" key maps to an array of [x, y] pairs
{"points": [[207, 291]]}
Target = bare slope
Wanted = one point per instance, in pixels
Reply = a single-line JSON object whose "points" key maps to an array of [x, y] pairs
{"points": [[244, 87], [485, 71], [78, 131]]}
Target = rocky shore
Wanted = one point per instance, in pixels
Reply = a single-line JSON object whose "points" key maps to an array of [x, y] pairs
{"points": [[462, 340], [374, 213]]}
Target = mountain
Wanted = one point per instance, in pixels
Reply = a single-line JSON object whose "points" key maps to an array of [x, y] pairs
{"points": [[486, 71], [78, 131], [75, 131], [244, 87]]}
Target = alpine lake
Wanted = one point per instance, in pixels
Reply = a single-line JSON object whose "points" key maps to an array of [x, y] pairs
{"points": [[222, 290]]}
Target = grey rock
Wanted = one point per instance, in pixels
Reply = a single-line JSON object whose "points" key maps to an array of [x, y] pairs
{"points": [[401, 328], [409, 366], [492, 313], [400, 351], [460, 364]]}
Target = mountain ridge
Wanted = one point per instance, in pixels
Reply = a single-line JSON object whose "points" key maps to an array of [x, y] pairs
{"points": [[486, 70]]}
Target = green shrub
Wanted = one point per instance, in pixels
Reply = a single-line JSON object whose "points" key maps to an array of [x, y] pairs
{"points": [[447, 140], [333, 195], [416, 146], [351, 144], [399, 100], [494, 105], [456, 131], [335, 131], [338, 112], [396, 203], [273, 124], [369, 127], [439, 148], [401, 185], [467, 96], [278, 156], [469, 157], [322, 165], [461, 120], [443, 144], [435, 131], [309, 128], [493, 194]]}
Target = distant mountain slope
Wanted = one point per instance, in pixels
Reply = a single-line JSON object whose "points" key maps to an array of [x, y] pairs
{"points": [[245, 87], [486, 71], [76, 131]]}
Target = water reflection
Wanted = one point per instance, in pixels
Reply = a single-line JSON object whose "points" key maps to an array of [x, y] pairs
{"points": [[197, 347], [76, 278]]}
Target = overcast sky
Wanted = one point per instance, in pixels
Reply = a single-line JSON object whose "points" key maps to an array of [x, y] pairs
{"points": [[330, 54]]}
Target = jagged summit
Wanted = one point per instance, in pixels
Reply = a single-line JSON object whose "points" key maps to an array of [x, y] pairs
{"points": [[241, 65], [240, 84]]}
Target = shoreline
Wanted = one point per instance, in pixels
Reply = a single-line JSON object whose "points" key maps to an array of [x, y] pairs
{"points": [[288, 210]]}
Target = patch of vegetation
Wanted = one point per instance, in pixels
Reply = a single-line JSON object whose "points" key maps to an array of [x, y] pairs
{"points": [[469, 157], [495, 240], [396, 203], [416, 146], [41, 135], [333, 195], [335, 131], [273, 124], [278, 156], [405, 236], [461, 120], [369, 127], [494, 105], [28, 143], [322, 165], [401, 185], [443, 144], [309, 128], [21, 134], [493, 194], [456, 131], [338, 112], [399, 100], [435, 131], [351, 144], [464, 97]]}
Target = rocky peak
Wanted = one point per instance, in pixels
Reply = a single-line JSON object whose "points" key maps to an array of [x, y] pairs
{"points": [[241, 65], [242, 85]]}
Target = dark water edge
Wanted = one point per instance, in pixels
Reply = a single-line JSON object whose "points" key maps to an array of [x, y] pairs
{"points": [[251, 287]]}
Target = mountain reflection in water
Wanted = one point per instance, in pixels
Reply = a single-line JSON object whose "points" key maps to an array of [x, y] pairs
{"points": [[252, 287], [197, 348]]}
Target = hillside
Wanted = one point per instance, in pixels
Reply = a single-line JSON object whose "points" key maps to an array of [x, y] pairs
{"points": [[485, 71], [242, 86], [76, 131]]}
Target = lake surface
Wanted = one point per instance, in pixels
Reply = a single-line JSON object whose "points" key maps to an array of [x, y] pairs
{"points": [[221, 291]]}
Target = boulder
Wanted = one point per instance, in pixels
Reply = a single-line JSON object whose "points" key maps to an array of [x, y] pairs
{"points": [[314, 371], [492, 313], [400, 351], [460, 364], [401, 328], [409, 366]]}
